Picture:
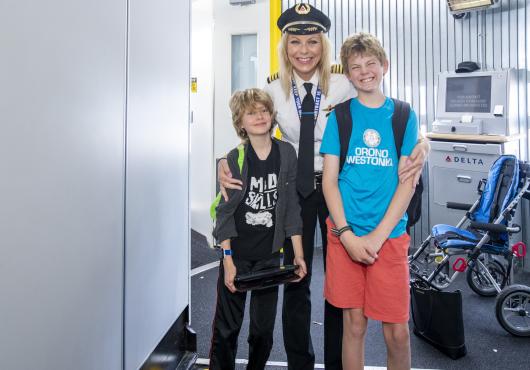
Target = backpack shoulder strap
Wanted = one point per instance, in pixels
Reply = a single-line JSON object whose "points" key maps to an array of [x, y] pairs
{"points": [[240, 161], [399, 122], [240, 156], [344, 123]]}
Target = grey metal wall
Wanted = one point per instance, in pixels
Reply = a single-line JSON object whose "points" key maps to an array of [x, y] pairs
{"points": [[157, 260], [62, 98], [94, 203], [422, 39]]}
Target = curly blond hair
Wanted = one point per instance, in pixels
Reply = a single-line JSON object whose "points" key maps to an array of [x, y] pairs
{"points": [[244, 101]]}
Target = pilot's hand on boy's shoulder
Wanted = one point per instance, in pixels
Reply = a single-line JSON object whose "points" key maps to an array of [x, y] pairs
{"points": [[302, 268], [413, 164], [356, 249], [226, 181], [230, 273]]}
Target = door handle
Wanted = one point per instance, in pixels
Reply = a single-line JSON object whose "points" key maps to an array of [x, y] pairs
{"points": [[464, 179], [459, 148]]}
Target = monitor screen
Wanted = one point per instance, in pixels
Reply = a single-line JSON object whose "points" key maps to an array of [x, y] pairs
{"points": [[468, 94]]}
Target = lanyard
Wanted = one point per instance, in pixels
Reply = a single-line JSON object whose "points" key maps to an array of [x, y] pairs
{"points": [[298, 102]]}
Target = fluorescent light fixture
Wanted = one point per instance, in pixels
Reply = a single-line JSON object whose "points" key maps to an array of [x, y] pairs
{"points": [[460, 6], [242, 2]]}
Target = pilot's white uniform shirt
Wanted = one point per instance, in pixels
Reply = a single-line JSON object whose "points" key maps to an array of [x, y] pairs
{"points": [[340, 89]]}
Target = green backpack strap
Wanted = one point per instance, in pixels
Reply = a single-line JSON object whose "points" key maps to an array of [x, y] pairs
{"points": [[213, 207], [240, 157], [240, 160]]}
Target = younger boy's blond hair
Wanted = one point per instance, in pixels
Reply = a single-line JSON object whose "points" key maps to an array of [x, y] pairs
{"points": [[361, 43], [245, 101]]}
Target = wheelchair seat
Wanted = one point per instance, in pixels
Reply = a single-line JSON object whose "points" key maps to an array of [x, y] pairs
{"points": [[451, 237], [448, 236]]}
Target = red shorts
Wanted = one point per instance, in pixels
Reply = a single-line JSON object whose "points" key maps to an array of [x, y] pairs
{"points": [[381, 289]]}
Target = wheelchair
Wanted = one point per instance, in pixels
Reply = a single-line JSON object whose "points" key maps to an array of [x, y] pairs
{"points": [[479, 246]]}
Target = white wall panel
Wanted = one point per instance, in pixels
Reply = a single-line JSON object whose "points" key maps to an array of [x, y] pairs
{"points": [[202, 171], [62, 99], [251, 19], [157, 199], [422, 38]]}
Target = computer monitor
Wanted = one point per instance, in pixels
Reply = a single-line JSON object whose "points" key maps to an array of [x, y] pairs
{"points": [[468, 94], [487, 96]]}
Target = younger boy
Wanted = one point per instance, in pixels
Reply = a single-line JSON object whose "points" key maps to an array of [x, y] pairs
{"points": [[367, 270], [252, 227]]}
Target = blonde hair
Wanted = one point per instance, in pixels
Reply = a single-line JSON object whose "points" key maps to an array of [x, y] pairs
{"points": [[323, 66], [361, 43], [244, 101]]}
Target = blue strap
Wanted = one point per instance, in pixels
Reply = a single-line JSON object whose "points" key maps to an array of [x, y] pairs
{"points": [[298, 101]]}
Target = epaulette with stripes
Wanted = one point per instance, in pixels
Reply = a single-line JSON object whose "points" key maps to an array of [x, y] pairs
{"points": [[273, 77], [336, 68]]}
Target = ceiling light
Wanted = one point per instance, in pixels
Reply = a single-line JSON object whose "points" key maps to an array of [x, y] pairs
{"points": [[460, 6]]}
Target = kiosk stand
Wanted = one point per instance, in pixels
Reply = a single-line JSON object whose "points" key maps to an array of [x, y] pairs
{"points": [[476, 122]]}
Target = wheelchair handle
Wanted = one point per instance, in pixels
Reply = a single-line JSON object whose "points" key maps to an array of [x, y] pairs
{"points": [[514, 229], [460, 206], [495, 228], [519, 250], [460, 265]]}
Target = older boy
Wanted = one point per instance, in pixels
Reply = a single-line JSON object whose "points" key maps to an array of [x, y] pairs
{"points": [[367, 270]]}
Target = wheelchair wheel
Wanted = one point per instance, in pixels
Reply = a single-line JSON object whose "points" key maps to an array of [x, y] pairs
{"points": [[513, 310], [479, 282], [443, 279]]}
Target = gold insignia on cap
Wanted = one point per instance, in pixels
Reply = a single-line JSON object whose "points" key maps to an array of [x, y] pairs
{"points": [[302, 9], [289, 26], [311, 29], [293, 29]]}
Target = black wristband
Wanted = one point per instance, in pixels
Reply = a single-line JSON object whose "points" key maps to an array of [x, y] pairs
{"points": [[339, 232]]}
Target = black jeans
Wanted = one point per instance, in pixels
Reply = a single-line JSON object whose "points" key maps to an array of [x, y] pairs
{"points": [[229, 317], [296, 311]]}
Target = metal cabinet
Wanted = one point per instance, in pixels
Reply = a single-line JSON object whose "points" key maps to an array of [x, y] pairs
{"points": [[455, 170]]}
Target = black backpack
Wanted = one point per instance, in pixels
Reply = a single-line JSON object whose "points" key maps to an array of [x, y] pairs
{"points": [[399, 124]]}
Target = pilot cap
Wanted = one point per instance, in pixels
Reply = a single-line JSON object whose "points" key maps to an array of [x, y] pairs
{"points": [[303, 19]]}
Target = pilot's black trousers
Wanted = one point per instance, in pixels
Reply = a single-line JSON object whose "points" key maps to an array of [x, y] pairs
{"points": [[296, 311], [229, 317]]}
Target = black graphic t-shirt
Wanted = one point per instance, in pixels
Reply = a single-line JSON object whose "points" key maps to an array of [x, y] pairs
{"points": [[255, 217]]}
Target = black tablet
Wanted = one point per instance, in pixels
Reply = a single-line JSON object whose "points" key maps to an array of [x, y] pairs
{"points": [[266, 278]]}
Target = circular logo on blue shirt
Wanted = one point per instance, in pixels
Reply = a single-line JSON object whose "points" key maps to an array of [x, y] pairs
{"points": [[371, 138]]}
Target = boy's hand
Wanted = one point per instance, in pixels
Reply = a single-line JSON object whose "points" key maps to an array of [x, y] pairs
{"points": [[302, 268], [226, 181], [372, 243], [356, 250], [414, 163], [230, 273]]}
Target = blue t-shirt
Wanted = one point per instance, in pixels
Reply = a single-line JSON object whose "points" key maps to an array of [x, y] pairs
{"points": [[369, 177]]}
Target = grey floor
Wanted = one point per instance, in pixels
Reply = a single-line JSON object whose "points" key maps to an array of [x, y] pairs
{"points": [[488, 345]]}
